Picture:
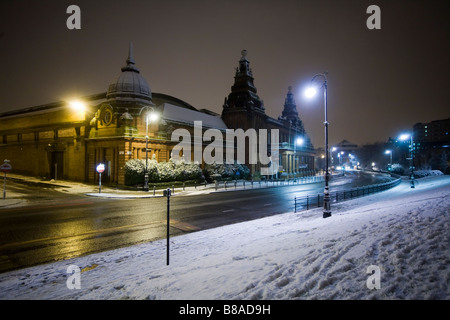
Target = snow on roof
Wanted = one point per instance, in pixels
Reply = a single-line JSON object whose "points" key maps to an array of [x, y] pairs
{"points": [[183, 115]]}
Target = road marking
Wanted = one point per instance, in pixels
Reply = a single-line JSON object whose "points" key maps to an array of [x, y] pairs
{"points": [[267, 204], [229, 210]]}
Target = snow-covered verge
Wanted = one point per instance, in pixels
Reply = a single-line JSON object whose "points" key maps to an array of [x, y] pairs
{"points": [[427, 173], [404, 232]]}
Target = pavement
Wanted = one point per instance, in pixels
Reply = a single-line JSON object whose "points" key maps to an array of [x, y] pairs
{"points": [[15, 198]]}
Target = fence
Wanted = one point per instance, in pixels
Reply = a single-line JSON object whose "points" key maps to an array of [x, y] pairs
{"points": [[266, 183], [315, 201]]}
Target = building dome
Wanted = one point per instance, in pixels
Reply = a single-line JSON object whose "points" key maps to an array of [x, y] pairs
{"points": [[130, 86]]}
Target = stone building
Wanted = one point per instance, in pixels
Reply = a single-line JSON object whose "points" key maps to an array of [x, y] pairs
{"points": [[244, 109], [63, 140]]}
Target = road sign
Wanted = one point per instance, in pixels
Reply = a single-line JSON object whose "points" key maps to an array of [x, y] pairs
{"points": [[6, 167], [100, 168]]}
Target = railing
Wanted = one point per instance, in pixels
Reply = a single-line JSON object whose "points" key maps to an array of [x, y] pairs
{"points": [[266, 183], [316, 200]]}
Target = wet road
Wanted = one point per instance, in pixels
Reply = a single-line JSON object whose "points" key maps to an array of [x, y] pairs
{"points": [[59, 226]]}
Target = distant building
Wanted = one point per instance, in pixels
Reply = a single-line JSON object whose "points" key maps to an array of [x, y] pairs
{"points": [[431, 144], [56, 141]]}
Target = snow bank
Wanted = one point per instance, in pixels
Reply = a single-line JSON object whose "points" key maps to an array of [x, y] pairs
{"points": [[427, 173], [403, 232]]}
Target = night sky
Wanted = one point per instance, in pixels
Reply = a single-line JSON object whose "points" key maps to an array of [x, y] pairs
{"points": [[380, 82]]}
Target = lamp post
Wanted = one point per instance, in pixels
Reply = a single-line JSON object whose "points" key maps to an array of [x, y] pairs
{"points": [[389, 152], [405, 137], [310, 92], [149, 117], [298, 142]]}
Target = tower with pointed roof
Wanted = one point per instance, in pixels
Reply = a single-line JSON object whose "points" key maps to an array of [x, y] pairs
{"points": [[130, 87], [128, 96], [243, 108], [243, 93], [290, 108]]}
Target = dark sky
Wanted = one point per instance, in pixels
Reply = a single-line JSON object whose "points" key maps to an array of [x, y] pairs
{"points": [[380, 82]]}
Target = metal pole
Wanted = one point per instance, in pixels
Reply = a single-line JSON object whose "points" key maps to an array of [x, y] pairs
{"points": [[168, 224], [100, 183], [146, 155], [4, 187], [412, 162], [326, 193]]}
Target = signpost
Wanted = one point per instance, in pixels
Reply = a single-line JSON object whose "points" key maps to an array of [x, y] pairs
{"points": [[100, 169], [5, 167], [167, 194]]}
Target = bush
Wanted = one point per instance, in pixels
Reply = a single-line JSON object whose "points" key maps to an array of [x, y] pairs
{"points": [[160, 171], [226, 171]]}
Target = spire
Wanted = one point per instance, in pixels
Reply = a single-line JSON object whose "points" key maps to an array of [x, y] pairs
{"points": [[243, 92], [244, 64], [130, 61], [290, 109], [290, 97]]}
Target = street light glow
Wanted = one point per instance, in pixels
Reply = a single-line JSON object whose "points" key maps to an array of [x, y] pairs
{"points": [[310, 92], [299, 141], [404, 136], [153, 116], [77, 105]]}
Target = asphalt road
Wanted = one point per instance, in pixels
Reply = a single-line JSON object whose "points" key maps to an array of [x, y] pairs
{"points": [[59, 226]]}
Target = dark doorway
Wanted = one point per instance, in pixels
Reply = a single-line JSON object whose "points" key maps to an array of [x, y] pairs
{"points": [[57, 165]]}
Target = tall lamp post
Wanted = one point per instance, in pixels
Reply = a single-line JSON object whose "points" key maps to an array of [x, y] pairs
{"points": [[405, 137], [389, 152], [311, 92], [151, 116], [298, 142]]}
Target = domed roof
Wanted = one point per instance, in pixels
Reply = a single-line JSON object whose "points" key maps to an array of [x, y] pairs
{"points": [[130, 85]]}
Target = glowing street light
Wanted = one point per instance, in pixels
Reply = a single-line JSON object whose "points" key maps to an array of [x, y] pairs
{"points": [[77, 105], [310, 93], [151, 116], [405, 137], [298, 142], [389, 152]]}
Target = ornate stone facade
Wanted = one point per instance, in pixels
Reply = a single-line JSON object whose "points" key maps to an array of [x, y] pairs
{"points": [[54, 141]]}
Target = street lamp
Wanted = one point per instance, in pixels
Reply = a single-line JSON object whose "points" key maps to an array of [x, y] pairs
{"points": [[405, 137], [151, 116], [309, 93], [298, 142], [77, 105], [389, 152]]}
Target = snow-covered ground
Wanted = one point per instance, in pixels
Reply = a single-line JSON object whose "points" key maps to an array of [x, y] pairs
{"points": [[403, 232]]}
